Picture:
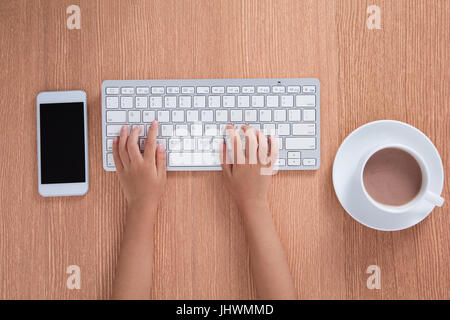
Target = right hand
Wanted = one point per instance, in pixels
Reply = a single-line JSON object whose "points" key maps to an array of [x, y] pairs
{"points": [[246, 177]]}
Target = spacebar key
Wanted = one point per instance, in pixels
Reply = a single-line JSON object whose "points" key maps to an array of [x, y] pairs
{"points": [[192, 159], [300, 143]]}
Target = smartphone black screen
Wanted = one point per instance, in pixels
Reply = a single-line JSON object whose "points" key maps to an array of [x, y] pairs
{"points": [[62, 143]]}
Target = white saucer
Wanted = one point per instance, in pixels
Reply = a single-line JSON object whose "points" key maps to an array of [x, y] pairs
{"points": [[353, 148]]}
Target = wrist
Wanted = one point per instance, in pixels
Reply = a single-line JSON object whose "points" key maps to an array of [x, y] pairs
{"points": [[142, 208], [253, 207]]}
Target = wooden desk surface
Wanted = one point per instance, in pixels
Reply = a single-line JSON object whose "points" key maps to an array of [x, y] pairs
{"points": [[399, 72]]}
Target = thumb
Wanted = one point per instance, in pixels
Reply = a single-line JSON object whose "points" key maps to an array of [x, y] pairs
{"points": [[161, 159]]}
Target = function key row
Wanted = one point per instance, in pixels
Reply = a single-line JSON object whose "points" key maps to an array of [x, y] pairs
{"points": [[228, 101], [206, 90]]}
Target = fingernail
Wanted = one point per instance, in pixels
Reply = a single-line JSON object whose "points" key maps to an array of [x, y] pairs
{"points": [[161, 148], [116, 139], [124, 128]]}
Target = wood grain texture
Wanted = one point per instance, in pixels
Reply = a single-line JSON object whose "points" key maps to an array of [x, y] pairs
{"points": [[399, 72]]}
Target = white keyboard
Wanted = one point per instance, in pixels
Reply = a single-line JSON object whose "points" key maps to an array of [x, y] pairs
{"points": [[193, 114]]}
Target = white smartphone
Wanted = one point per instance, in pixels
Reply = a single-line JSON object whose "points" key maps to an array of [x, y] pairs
{"points": [[62, 143]]}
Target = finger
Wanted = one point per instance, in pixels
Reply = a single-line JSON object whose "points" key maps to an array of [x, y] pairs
{"points": [[251, 145], [239, 157], [123, 153], [117, 161], [263, 149], [273, 151], [132, 145], [161, 160], [226, 166], [229, 145], [150, 144]]}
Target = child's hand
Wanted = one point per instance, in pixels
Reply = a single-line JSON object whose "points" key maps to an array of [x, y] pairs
{"points": [[142, 177], [248, 178]]}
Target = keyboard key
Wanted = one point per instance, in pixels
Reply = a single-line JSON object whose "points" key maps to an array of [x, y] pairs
{"points": [[294, 115], [167, 130], [248, 89], [173, 90], [293, 89], [294, 155], [305, 101], [148, 116], [218, 89], [134, 116], [112, 102], [257, 101], [278, 89], [202, 90], [155, 102], [178, 115], [185, 101], [283, 129], [207, 116], [192, 115], [279, 115], [216, 144], [126, 102], [303, 129], [116, 116], [214, 101], [110, 160], [157, 90], [309, 89], [143, 90], [269, 129], [170, 102], [280, 162], [243, 101], [272, 101], [293, 162], [236, 115], [309, 115], [309, 162], [163, 116], [127, 90], [300, 143], [113, 130], [112, 90], [199, 101], [287, 101], [211, 130], [263, 89], [141, 102], [229, 101], [265, 115], [233, 90], [187, 90], [189, 144], [222, 115], [181, 130], [204, 144], [280, 143], [196, 130], [250, 115], [174, 144], [109, 144]]}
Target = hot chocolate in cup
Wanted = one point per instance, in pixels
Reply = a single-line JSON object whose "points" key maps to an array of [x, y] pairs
{"points": [[395, 178]]}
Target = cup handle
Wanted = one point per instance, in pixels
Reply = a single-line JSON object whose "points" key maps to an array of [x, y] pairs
{"points": [[435, 199]]}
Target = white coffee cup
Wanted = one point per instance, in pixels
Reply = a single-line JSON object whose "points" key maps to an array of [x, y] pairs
{"points": [[424, 193]]}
